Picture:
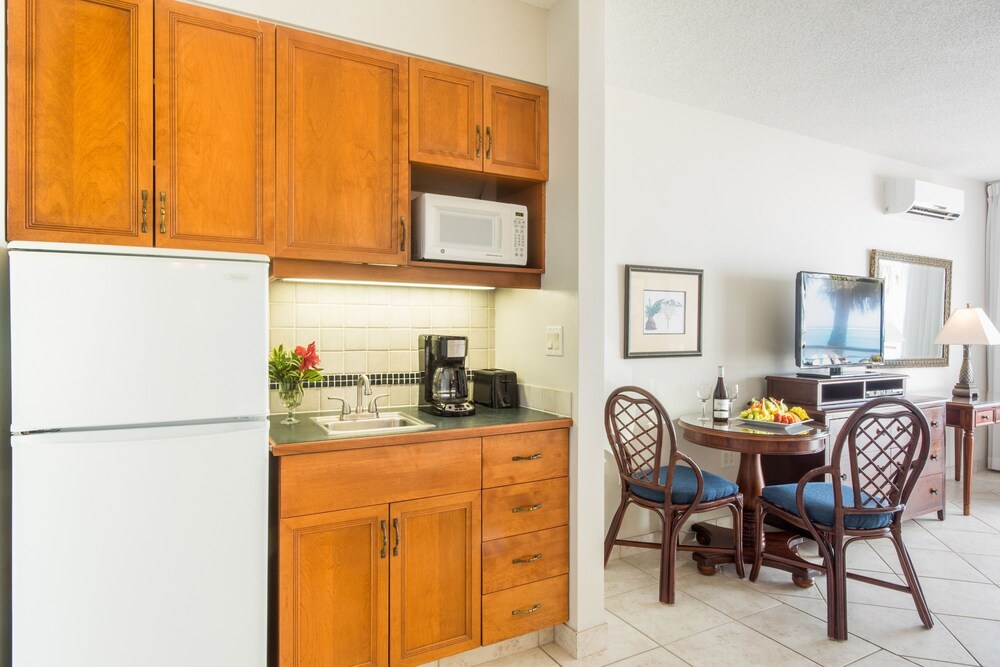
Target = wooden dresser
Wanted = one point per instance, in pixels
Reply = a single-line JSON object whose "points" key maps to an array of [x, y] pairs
{"points": [[831, 402]]}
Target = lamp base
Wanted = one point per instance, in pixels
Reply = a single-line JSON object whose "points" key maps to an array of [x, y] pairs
{"points": [[962, 390]]}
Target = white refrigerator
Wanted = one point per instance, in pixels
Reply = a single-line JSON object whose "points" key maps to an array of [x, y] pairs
{"points": [[140, 457]]}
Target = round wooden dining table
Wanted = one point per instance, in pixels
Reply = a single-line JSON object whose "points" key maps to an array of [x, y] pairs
{"points": [[751, 442]]}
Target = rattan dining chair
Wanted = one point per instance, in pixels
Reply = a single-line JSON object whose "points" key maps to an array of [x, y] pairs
{"points": [[877, 459], [656, 476]]}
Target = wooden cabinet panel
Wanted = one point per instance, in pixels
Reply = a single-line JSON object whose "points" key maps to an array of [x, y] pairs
{"points": [[516, 611], [524, 508], [525, 457], [927, 496], [334, 588], [517, 140], [214, 130], [343, 189], [79, 119], [435, 578], [446, 115], [521, 559], [358, 477]]}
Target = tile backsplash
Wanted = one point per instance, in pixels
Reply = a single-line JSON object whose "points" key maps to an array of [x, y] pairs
{"points": [[374, 329]]}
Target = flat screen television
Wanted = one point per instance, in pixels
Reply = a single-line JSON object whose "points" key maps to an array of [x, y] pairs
{"points": [[839, 321]]}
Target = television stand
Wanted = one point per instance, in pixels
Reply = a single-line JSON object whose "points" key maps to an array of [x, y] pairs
{"points": [[826, 391]]}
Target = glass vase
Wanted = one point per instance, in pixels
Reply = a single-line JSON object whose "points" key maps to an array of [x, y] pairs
{"points": [[290, 394]]}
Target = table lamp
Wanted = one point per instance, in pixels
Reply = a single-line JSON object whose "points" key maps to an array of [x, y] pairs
{"points": [[967, 326]]}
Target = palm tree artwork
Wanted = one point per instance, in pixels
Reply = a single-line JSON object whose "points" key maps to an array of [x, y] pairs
{"points": [[666, 305]]}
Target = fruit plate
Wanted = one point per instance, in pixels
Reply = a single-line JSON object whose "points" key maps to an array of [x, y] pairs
{"points": [[790, 429]]}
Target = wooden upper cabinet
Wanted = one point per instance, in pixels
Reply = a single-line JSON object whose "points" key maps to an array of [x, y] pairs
{"points": [[517, 137], [79, 120], [468, 120], [214, 130], [343, 175], [446, 122], [434, 577]]}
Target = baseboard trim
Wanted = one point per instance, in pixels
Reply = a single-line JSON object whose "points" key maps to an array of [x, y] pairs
{"points": [[581, 644]]}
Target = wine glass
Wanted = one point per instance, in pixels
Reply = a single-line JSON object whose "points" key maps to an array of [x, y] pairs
{"points": [[734, 392], [704, 392]]}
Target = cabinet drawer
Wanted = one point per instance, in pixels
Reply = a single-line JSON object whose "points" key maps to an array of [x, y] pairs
{"points": [[358, 477], [521, 559], [525, 457], [519, 610], [935, 457], [525, 508], [927, 496], [984, 417]]}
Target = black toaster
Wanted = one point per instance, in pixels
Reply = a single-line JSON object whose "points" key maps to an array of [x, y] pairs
{"points": [[495, 388]]}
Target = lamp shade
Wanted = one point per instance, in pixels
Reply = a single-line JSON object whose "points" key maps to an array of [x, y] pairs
{"points": [[968, 326]]}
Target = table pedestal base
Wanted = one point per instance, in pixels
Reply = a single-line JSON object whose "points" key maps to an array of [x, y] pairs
{"points": [[781, 543]]}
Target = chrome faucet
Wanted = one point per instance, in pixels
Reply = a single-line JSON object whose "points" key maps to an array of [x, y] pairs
{"points": [[364, 385]]}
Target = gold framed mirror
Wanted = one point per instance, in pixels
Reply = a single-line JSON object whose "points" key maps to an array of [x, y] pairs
{"points": [[917, 304]]}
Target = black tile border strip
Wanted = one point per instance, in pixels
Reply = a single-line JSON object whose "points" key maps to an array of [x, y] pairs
{"points": [[376, 379]]}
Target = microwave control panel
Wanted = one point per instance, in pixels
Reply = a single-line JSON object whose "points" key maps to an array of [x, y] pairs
{"points": [[520, 237]]}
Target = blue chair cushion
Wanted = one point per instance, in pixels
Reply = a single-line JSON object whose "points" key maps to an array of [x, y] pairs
{"points": [[686, 486], [818, 497]]}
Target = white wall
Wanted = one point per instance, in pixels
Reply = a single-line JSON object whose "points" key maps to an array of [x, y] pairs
{"points": [[479, 35], [752, 205]]}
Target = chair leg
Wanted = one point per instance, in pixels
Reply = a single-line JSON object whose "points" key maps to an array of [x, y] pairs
{"points": [[668, 559], [737, 509], [911, 578], [616, 524], [836, 590], [758, 540]]}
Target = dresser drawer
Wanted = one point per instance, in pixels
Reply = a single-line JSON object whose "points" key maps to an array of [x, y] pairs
{"points": [[360, 477], [525, 508], [985, 416], [927, 496], [520, 610], [525, 457], [521, 559], [935, 456]]}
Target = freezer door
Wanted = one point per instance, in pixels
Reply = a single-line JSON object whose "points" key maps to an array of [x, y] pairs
{"points": [[103, 339], [141, 547]]}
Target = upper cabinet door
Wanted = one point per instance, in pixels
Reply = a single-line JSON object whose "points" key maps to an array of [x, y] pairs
{"points": [[214, 130], [79, 120], [343, 175], [446, 115], [517, 135]]}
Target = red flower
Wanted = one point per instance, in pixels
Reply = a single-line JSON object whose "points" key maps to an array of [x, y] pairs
{"points": [[310, 359]]}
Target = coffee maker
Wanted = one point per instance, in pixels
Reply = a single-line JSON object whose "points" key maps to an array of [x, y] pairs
{"points": [[444, 390]]}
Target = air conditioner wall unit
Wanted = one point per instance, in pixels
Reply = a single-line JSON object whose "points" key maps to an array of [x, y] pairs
{"points": [[920, 198]]}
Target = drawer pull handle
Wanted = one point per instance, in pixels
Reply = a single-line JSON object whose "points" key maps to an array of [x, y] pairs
{"points": [[934, 457], [527, 508], [385, 539], [395, 529], [934, 492], [526, 559], [533, 457], [518, 612], [934, 424]]}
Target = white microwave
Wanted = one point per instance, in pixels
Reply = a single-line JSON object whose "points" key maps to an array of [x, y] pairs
{"points": [[457, 229]]}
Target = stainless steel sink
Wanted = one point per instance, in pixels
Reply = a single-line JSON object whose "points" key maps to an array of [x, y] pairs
{"points": [[387, 423]]}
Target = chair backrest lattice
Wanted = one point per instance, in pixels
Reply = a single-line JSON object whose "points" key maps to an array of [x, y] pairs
{"points": [[637, 425], [880, 453]]}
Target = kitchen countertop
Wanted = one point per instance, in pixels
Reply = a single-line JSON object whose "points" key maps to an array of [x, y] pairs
{"points": [[308, 437]]}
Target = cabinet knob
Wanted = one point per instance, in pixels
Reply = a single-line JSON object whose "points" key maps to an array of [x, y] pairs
{"points": [[934, 457], [934, 492], [935, 423], [844, 477]]}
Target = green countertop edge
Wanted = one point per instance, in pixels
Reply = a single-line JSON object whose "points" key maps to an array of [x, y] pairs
{"points": [[308, 431]]}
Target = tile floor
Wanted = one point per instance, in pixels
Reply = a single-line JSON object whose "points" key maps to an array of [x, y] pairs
{"points": [[723, 620]]}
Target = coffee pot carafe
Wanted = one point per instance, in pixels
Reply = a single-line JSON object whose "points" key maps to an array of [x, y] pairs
{"points": [[444, 389]]}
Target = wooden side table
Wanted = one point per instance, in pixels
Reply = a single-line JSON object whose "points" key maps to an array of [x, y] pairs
{"points": [[965, 414]]}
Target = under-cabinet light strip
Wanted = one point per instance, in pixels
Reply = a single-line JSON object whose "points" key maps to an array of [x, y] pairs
{"points": [[382, 283]]}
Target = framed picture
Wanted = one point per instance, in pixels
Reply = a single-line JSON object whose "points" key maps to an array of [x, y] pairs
{"points": [[662, 312]]}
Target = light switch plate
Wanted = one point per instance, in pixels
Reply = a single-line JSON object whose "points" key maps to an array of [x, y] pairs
{"points": [[554, 341]]}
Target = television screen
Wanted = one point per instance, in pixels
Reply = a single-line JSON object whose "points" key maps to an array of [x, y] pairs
{"points": [[838, 320]]}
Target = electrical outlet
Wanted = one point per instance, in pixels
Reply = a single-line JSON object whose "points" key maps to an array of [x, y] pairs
{"points": [[729, 459]]}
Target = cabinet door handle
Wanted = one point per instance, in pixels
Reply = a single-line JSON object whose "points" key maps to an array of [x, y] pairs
{"points": [[402, 233], [518, 612], [934, 457], [395, 530], [934, 424], [163, 212], [526, 559], [145, 210], [385, 539], [479, 140], [489, 142], [527, 508], [526, 458], [934, 492]]}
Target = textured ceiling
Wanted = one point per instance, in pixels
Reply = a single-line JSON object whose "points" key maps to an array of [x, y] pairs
{"points": [[916, 80]]}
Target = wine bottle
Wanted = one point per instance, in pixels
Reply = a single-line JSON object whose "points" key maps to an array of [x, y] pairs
{"points": [[720, 399]]}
